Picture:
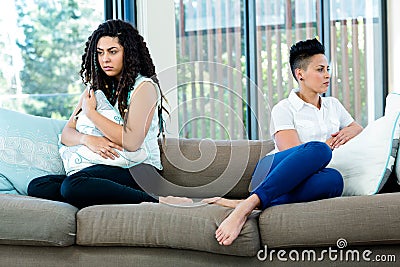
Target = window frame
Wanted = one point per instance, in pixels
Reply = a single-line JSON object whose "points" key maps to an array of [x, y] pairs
{"points": [[121, 9]]}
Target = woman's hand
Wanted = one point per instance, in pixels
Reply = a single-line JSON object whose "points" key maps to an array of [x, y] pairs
{"points": [[102, 146], [344, 135], [111, 130], [88, 102]]}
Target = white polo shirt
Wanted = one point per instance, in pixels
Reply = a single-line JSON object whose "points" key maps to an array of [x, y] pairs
{"points": [[311, 123]]}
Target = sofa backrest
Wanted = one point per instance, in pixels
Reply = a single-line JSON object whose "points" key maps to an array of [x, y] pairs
{"points": [[207, 168], [197, 167]]}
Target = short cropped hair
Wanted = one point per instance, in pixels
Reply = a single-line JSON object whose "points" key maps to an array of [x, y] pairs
{"points": [[301, 52]]}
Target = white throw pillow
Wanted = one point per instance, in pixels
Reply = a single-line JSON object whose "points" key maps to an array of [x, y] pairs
{"points": [[76, 158], [392, 103], [392, 106], [397, 167], [367, 160]]}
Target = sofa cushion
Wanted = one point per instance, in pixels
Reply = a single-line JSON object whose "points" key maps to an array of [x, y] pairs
{"points": [[160, 225], [28, 147], [207, 168], [36, 222], [358, 220]]}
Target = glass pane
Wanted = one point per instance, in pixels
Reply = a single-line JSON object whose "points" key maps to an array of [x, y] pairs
{"points": [[355, 40], [210, 69], [280, 24], [41, 43]]}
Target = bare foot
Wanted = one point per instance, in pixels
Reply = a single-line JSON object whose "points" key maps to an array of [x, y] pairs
{"points": [[230, 203], [230, 228], [175, 200]]}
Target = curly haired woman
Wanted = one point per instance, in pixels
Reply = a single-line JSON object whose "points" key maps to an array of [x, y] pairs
{"points": [[117, 62]]}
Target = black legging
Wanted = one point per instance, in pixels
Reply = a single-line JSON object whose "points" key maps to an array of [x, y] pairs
{"points": [[98, 184]]}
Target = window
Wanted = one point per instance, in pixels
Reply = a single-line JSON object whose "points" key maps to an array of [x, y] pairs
{"points": [[279, 24], [237, 51], [42, 42], [211, 79], [356, 46]]}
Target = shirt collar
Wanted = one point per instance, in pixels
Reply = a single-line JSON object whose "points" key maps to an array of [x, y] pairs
{"points": [[297, 102]]}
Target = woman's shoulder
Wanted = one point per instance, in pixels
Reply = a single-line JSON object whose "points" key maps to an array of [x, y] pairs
{"points": [[282, 104], [331, 101], [141, 79], [289, 102], [330, 98]]}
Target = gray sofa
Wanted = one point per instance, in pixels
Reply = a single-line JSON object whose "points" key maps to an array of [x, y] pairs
{"points": [[359, 230]]}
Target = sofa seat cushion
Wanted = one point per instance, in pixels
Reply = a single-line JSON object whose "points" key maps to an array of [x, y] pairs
{"points": [[359, 220], [160, 225], [36, 222]]}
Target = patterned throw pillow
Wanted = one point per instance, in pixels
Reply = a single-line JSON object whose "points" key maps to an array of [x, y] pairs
{"points": [[28, 149], [6, 187], [76, 158]]}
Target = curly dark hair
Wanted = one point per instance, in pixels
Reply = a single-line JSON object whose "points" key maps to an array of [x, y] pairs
{"points": [[302, 51], [137, 60]]}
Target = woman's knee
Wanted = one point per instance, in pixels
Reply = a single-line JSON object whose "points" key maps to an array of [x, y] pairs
{"points": [[67, 188], [47, 187], [334, 181], [34, 187], [321, 150]]}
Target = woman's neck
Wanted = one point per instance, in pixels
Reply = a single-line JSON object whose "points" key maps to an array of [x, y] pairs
{"points": [[310, 97]]}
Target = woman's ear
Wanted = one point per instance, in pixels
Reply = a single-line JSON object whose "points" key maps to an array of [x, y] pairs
{"points": [[299, 74]]}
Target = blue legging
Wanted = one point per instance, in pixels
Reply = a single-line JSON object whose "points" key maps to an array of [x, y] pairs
{"points": [[95, 185], [298, 174]]}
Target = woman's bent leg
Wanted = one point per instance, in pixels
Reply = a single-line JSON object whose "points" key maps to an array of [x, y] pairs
{"points": [[287, 170], [327, 183], [47, 187], [113, 185], [290, 168]]}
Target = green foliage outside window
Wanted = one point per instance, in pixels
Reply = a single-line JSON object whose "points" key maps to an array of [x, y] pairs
{"points": [[53, 39]]}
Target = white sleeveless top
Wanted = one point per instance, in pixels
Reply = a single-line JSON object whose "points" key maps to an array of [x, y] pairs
{"points": [[76, 158], [150, 144]]}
